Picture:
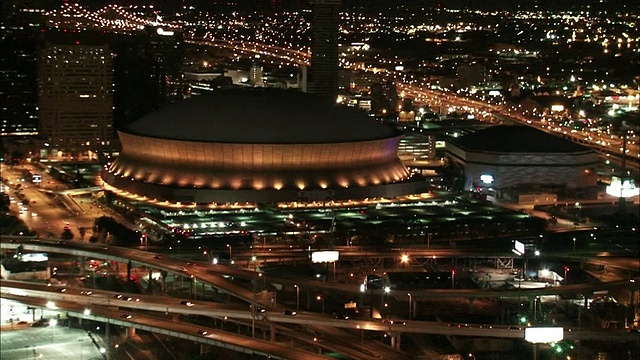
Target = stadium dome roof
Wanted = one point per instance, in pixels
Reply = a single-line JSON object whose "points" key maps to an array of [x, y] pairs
{"points": [[263, 116], [516, 139]]}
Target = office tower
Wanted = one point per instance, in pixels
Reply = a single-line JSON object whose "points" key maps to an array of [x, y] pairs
{"points": [[323, 74], [75, 89], [21, 22]]}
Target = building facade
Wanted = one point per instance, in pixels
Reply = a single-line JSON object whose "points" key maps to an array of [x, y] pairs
{"points": [[75, 90], [323, 74]]}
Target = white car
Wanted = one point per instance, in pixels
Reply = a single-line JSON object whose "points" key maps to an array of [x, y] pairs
{"points": [[34, 214]]}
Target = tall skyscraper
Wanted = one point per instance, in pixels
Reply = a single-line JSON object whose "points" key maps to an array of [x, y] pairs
{"points": [[20, 22], [323, 74], [75, 87]]}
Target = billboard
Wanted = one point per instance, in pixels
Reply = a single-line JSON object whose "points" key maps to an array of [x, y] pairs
{"points": [[543, 334], [324, 256], [518, 248]]}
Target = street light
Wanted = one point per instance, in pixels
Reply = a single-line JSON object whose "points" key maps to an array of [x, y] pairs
{"points": [[453, 278], [320, 298], [410, 306], [566, 269], [574, 244], [230, 251], [297, 297], [385, 291], [52, 325]]}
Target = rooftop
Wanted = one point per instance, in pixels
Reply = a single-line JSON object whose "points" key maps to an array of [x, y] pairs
{"points": [[516, 139], [264, 116]]}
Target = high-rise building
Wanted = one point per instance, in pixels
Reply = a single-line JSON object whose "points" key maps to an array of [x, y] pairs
{"points": [[323, 74], [21, 22], [75, 88]]}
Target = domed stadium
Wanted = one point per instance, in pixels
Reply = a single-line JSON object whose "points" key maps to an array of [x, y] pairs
{"points": [[257, 146], [505, 157]]}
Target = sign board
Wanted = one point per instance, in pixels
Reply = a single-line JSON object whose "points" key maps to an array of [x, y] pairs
{"points": [[543, 334], [324, 256], [350, 305], [518, 248]]}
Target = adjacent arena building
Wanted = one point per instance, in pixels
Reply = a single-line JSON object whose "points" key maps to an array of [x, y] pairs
{"points": [[258, 146], [506, 157]]}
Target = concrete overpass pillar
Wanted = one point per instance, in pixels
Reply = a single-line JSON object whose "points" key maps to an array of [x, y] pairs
{"points": [[131, 332], [272, 330], [532, 303], [395, 340], [128, 270]]}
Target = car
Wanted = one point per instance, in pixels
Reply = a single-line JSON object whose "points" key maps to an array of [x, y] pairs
{"points": [[117, 296], [290, 312], [40, 323], [125, 316], [342, 316], [34, 214], [202, 332], [62, 290], [158, 256], [86, 292], [187, 303], [22, 323], [258, 309]]}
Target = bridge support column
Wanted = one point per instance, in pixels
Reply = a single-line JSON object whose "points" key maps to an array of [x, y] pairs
{"points": [[128, 270], [471, 301], [202, 351], [395, 340], [131, 332], [532, 303], [272, 331], [107, 341]]}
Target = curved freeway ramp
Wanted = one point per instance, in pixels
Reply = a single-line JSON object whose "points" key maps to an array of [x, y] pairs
{"points": [[213, 274], [179, 330]]}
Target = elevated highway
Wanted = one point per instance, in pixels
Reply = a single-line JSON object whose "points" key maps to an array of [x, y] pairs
{"points": [[105, 299], [180, 330], [214, 274]]}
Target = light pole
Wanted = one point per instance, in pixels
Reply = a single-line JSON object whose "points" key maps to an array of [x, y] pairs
{"points": [[52, 325], [453, 278], [410, 306], [574, 244], [321, 299], [566, 270], [385, 291], [297, 297], [230, 251]]}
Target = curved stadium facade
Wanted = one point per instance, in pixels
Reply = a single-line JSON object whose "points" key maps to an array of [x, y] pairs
{"points": [[258, 146]]}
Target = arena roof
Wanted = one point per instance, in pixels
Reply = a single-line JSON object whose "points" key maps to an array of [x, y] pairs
{"points": [[516, 139], [262, 116]]}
